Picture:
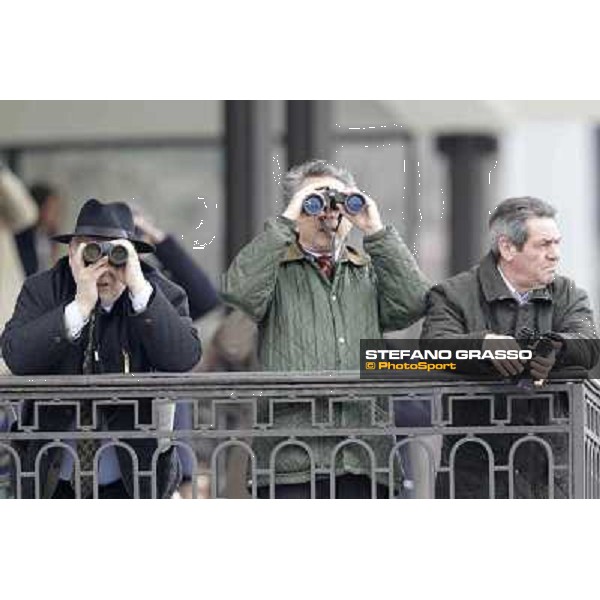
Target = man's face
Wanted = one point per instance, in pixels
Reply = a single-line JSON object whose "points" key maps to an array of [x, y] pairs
{"points": [[315, 233], [110, 285], [536, 263]]}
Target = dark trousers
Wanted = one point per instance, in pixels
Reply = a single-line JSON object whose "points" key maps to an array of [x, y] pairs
{"points": [[116, 490], [346, 487]]}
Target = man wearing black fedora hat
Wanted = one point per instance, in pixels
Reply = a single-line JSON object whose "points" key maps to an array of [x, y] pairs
{"points": [[100, 310]]}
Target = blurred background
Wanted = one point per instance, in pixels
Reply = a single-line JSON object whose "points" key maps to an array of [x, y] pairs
{"points": [[208, 172]]}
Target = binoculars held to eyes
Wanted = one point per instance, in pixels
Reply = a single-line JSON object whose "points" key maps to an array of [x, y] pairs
{"points": [[94, 251], [317, 202]]}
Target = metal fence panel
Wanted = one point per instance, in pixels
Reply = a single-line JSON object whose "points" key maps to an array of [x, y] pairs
{"points": [[410, 439]]}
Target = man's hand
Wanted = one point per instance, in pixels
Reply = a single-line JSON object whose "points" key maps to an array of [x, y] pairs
{"points": [[148, 228], [508, 367], [131, 275], [540, 366], [294, 208], [368, 220], [86, 279]]}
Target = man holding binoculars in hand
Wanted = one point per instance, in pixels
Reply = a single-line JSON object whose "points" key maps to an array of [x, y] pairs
{"points": [[314, 298], [101, 310], [102, 271]]}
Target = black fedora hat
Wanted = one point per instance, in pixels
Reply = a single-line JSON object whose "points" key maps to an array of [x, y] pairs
{"points": [[110, 221]]}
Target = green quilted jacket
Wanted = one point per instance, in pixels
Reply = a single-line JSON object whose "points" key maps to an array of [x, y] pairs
{"points": [[308, 323]]}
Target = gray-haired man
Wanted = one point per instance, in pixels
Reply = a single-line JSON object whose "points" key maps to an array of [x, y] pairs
{"points": [[314, 299], [516, 289]]}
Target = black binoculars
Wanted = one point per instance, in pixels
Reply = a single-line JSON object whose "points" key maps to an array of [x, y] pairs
{"points": [[539, 343], [94, 251], [317, 202]]}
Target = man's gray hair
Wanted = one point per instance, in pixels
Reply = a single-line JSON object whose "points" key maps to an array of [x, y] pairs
{"points": [[295, 178], [510, 219]]}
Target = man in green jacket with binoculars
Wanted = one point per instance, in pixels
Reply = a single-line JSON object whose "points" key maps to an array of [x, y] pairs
{"points": [[314, 298]]}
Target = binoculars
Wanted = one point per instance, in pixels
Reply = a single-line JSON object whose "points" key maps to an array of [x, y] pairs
{"points": [[539, 344], [317, 202], [94, 251]]}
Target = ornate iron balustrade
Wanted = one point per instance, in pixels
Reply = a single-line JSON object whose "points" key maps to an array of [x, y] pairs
{"points": [[451, 438]]}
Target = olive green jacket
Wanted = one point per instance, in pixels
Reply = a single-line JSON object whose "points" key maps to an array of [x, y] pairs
{"points": [[308, 323], [472, 304]]}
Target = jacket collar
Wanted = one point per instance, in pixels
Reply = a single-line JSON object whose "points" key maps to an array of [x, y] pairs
{"points": [[348, 254], [494, 288]]}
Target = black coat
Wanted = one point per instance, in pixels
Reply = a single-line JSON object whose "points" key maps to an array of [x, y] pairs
{"points": [[161, 338]]}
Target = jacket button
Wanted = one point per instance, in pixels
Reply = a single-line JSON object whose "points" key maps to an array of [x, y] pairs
{"points": [[333, 298], [342, 340]]}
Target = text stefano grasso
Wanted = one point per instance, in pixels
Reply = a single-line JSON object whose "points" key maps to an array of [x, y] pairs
{"points": [[499, 354]]}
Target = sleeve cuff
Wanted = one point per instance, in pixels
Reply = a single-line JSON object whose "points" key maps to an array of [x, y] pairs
{"points": [[140, 301], [74, 321], [378, 234]]}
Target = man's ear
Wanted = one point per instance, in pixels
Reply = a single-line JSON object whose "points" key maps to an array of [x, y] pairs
{"points": [[506, 248]]}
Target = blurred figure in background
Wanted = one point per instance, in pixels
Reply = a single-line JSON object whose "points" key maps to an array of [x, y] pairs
{"points": [[18, 211], [232, 348], [179, 266], [37, 250]]}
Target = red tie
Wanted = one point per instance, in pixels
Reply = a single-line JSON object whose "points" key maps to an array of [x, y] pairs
{"points": [[325, 264]]}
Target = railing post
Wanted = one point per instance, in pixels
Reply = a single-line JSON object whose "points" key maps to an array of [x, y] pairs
{"points": [[577, 409]]}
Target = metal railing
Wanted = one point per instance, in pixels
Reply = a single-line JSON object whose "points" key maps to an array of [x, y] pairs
{"points": [[248, 432], [591, 440]]}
